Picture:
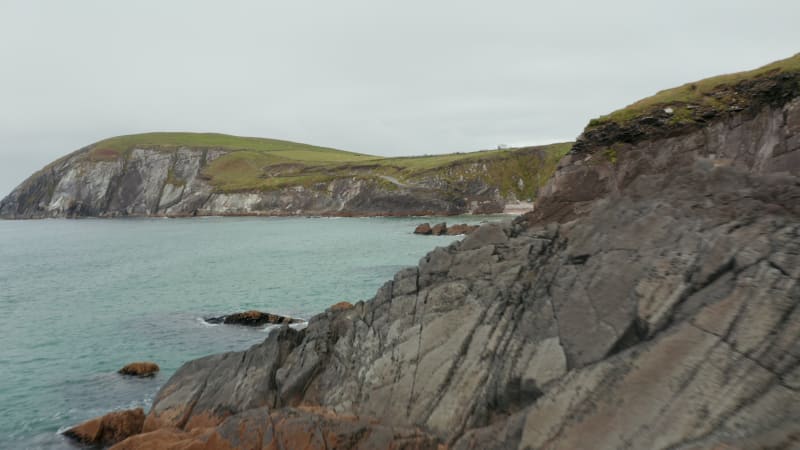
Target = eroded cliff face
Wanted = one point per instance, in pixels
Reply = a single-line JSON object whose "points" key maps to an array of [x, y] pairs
{"points": [[660, 311], [760, 139], [154, 182]]}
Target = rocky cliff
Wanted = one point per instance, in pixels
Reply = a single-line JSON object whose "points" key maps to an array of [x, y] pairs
{"points": [[143, 179], [756, 131], [650, 301]]}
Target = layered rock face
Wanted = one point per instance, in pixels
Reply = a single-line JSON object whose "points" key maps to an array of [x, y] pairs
{"points": [[762, 138], [659, 311], [155, 182]]}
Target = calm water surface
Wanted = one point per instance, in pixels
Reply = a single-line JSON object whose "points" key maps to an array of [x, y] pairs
{"points": [[81, 298]]}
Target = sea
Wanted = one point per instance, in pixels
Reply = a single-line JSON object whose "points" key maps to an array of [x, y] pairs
{"points": [[81, 298]]}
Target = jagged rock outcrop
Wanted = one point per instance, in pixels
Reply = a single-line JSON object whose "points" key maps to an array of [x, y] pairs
{"points": [[108, 429], [651, 301], [667, 317], [760, 136]]}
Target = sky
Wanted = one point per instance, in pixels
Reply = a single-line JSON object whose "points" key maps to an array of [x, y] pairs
{"points": [[372, 76]]}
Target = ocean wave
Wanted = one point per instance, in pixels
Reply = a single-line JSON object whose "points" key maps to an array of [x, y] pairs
{"points": [[203, 322], [296, 326]]}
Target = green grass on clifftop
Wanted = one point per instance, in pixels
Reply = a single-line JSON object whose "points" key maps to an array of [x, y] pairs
{"points": [[117, 146], [262, 164], [697, 93]]}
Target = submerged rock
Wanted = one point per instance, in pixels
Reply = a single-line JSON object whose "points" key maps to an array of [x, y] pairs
{"points": [[253, 318], [109, 429], [140, 369]]}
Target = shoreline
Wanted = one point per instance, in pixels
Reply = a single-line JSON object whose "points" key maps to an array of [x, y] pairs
{"points": [[513, 210], [518, 208]]}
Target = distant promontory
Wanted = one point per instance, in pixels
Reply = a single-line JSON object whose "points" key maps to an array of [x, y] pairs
{"points": [[196, 174]]}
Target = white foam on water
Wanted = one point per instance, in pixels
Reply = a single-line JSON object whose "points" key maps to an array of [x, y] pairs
{"points": [[299, 326], [203, 322], [295, 326]]}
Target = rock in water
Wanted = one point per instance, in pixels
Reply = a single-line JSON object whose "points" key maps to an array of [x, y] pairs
{"points": [[109, 429], [454, 230], [424, 228], [439, 229], [140, 369], [253, 318]]}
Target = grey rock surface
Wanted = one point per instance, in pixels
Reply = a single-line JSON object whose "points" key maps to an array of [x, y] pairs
{"points": [[766, 141], [650, 301], [665, 318]]}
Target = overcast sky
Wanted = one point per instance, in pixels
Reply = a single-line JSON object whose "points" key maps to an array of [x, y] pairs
{"points": [[379, 77]]}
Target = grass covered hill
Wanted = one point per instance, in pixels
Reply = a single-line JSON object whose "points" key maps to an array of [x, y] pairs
{"points": [[257, 164], [694, 105]]}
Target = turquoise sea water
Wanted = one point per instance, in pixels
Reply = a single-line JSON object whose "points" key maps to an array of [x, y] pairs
{"points": [[81, 298]]}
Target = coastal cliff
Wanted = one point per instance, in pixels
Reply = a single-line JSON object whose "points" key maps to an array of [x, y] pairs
{"points": [[184, 174], [651, 300], [752, 125]]}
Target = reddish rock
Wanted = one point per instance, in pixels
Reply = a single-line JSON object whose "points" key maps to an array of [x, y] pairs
{"points": [[174, 439], [252, 318], [439, 229], [109, 429], [463, 228], [140, 369], [287, 428], [341, 306], [425, 228], [314, 427]]}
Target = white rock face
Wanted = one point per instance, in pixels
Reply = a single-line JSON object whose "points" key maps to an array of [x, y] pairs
{"points": [[141, 185], [170, 182], [171, 195], [84, 185], [239, 203]]}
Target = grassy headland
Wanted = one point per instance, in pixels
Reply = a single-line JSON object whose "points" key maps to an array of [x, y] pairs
{"points": [[717, 93], [263, 164]]}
